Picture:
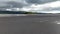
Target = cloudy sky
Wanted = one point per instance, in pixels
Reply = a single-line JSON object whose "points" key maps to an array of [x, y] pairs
{"points": [[27, 5]]}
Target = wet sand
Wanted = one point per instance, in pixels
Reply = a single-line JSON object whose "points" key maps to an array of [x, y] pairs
{"points": [[30, 25]]}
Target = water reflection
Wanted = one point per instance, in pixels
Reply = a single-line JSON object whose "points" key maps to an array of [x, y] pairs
{"points": [[5, 15]]}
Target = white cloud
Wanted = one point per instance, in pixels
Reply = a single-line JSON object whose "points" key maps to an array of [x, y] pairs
{"points": [[42, 7], [53, 4]]}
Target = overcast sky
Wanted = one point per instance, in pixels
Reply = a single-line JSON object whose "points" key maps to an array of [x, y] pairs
{"points": [[27, 1], [40, 4]]}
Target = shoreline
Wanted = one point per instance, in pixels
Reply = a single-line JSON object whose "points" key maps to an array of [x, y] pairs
{"points": [[10, 15]]}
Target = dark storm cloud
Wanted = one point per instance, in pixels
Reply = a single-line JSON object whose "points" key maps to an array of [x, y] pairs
{"points": [[15, 4], [39, 1]]}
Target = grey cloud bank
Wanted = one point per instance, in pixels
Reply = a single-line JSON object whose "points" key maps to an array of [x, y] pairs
{"points": [[23, 3], [39, 1]]}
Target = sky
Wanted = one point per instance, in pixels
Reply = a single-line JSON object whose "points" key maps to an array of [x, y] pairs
{"points": [[28, 5]]}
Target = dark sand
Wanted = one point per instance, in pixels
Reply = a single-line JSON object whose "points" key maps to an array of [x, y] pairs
{"points": [[30, 25]]}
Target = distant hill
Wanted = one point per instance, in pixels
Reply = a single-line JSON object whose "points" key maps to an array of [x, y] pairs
{"points": [[12, 12], [17, 12]]}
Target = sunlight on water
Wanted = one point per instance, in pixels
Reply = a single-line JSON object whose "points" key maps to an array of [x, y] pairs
{"points": [[57, 22]]}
